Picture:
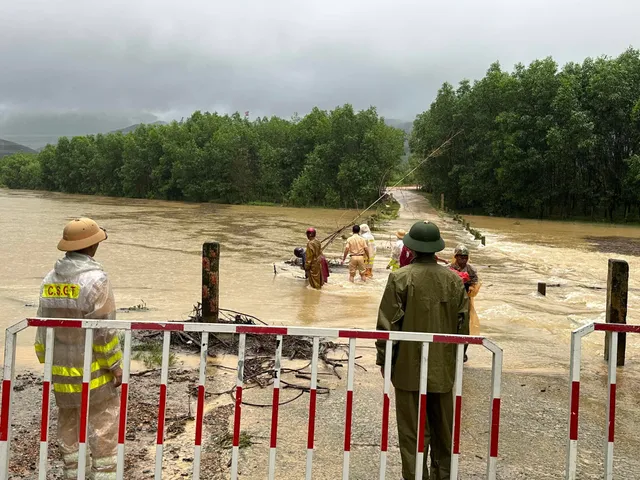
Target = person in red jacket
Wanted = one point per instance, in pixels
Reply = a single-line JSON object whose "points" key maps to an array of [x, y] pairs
{"points": [[406, 257]]}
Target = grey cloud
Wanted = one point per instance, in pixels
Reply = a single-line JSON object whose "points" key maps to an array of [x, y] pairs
{"points": [[283, 56]]}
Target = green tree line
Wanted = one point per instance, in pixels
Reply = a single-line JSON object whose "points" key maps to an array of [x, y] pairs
{"points": [[538, 141], [332, 159]]}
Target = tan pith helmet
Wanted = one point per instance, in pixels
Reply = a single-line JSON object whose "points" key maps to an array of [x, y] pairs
{"points": [[81, 233]]}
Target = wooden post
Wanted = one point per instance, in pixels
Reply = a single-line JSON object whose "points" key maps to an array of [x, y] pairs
{"points": [[617, 293], [442, 201], [542, 289], [210, 281], [483, 239]]}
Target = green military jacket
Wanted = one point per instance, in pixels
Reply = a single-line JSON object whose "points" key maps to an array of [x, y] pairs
{"points": [[423, 297]]}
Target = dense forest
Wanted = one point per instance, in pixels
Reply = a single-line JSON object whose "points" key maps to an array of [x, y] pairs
{"points": [[539, 141], [332, 159]]}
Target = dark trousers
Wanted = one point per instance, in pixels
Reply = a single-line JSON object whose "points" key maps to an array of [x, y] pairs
{"points": [[437, 433]]}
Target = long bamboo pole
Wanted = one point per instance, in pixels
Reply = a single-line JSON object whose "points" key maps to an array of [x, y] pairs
{"points": [[329, 240]]}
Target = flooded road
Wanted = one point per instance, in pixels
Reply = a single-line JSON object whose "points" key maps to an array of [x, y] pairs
{"points": [[153, 256], [569, 258]]}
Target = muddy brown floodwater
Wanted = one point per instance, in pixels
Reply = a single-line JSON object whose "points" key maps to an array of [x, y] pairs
{"points": [[153, 255]]}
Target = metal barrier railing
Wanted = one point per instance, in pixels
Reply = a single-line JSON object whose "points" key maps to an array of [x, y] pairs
{"points": [[574, 393], [243, 330]]}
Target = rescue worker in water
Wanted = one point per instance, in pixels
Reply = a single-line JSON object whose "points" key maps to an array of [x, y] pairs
{"points": [[423, 297], [461, 265], [78, 287], [313, 260]]}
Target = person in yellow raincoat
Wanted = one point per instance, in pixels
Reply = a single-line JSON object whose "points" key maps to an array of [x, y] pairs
{"points": [[460, 263], [396, 250], [78, 287], [313, 260]]}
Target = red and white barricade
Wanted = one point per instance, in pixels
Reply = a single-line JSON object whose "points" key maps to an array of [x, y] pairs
{"points": [[243, 330], [574, 393]]}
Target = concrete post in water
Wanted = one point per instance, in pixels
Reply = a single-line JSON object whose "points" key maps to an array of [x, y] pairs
{"points": [[210, 281], [483, 239], [542, 289], [442, 201], [617, 293]]}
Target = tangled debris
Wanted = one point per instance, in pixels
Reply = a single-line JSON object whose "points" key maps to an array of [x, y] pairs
{"points": [[259, 366]]}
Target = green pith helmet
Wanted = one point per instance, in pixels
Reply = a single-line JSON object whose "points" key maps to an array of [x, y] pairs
{"points": [[424, 237]]}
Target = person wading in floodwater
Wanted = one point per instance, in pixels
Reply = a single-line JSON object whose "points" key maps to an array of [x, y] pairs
{"points": [[357, 249], [313, 260], [365, 232], [396, 250], [461, 264], [423, 297], [79, 288]]}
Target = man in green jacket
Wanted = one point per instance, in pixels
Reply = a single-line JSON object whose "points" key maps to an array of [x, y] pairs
{"points": [[424, 297]]}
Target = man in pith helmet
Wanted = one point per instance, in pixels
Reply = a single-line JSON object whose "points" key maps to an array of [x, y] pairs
{"points": [[423, 297], [78, 287]]}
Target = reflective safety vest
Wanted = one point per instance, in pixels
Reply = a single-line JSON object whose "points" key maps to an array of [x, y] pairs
{"points": [[78, 288]]}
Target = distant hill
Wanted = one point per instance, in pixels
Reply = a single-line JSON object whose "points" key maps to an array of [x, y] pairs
{"points": [[131, 128], [9, 148], [37, 129], [401, 124]]}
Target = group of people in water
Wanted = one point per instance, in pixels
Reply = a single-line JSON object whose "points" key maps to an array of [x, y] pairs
{"points": [[361, 249], [420, 296]]}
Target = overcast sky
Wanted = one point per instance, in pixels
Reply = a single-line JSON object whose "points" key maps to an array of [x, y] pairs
{"points": [[283, 56]]}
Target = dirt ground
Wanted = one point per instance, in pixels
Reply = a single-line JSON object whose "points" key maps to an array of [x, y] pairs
{"points": [[141, 429], [532, 441]]}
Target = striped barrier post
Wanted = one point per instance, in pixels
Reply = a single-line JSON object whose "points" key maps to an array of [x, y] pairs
{"points": [[274, 410], [124, 401], [425, 339], [83, 452], [7, 397], [384, 441], [197, 454], [235, 449], [46, 403], [457, 412], [611, 405], [312, 407], [349, 410], [162, 402], [494, 418], [422, 410], [613, 329]]}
